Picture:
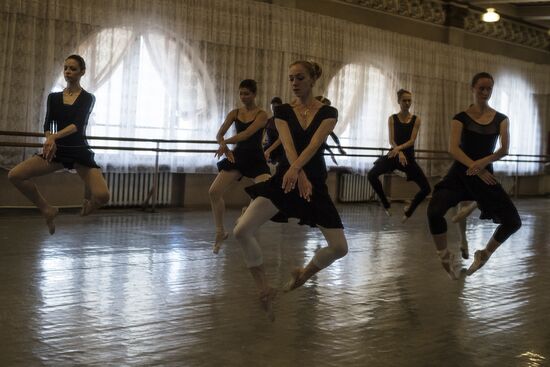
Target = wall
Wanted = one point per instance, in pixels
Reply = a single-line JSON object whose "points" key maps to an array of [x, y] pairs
{"points": [[191, 190], [428, 31]]}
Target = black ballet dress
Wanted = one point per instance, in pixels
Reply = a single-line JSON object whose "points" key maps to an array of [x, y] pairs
{"points": [[477, 141], [248, 154], [402, 133], [320, 210], [73, 148]]}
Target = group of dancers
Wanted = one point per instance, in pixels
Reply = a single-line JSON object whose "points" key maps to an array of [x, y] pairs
{"points": [[295, 141]]}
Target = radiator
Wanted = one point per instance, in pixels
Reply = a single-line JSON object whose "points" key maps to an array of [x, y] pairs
{"points": [[132, 189], [354, 188]]}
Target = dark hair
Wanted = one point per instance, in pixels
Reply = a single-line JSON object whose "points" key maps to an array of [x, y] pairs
{"points": [[78, 59], [314, 70], [249, 84], [323, 100], [482, 75], [400, 93], [276, 100]]}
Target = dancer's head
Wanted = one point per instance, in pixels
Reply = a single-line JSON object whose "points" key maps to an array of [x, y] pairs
{"points": [[482, 87], [302, 76], [247, 91], [323, 100], [404, 98], [275, 101], [74, 68]]}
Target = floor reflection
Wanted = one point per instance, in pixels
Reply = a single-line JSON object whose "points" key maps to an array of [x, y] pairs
{"points": [[132, 288]]}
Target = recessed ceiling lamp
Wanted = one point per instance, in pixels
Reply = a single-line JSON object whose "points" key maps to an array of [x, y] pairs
{"points": [[491, 16]]}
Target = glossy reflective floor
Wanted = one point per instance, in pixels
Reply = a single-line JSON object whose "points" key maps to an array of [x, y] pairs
{"points": [[126, 288]]}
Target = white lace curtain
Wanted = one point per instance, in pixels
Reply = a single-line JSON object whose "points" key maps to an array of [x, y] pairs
{"points": [[169, 69]]}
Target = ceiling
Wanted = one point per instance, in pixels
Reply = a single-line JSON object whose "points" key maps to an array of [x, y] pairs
{"points": [[534, 12]]}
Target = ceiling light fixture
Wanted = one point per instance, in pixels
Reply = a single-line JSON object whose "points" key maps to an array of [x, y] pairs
{"points": [[491, 16]]}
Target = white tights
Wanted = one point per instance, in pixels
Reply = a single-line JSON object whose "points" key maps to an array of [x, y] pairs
{"points": [[259, 212]]}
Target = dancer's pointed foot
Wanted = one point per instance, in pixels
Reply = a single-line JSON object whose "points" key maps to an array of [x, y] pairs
{"points": [[220, 237], [447, 261], [266, 298], [85, 208], [88, 207], [295, 280], [50, 215], [387, 211], [480, 258], [406, 214]]}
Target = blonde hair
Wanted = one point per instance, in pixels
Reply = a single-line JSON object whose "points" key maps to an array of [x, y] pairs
{"points": [[314, 70]]}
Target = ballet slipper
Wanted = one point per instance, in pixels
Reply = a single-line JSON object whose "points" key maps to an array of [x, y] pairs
{"points": [[50, 216], [88, 207], [405, 217], [266, 298], [85, 210], [480, 258], [220, 237], [447, 261], [387, 211], [294, 281]]}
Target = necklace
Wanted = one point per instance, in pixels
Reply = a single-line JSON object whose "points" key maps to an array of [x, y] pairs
{"points": [[305, 110], [71, 92]]}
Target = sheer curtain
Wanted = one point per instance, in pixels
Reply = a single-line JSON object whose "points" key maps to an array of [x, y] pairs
{"points": [[170, 69]]}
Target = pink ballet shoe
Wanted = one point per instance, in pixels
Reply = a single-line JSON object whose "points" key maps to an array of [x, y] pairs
{"points": [[266, 298], [480, 258], [220, 237], [88, 207], [50, 220], [447, 261], [294, 281]]}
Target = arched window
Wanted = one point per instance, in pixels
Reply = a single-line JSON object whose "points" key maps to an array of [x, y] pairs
{"points": [[514, 97], [147, 85], [362, 94]]}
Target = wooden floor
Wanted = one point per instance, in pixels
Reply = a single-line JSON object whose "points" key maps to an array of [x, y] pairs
{"points": [[127, 288]]}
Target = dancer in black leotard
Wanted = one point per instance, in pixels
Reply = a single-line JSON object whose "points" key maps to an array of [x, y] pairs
{"points": [[325, 100], [298, 188], [247, 159], [65, 147], [474, 134], [273, 149], [403, 129]]}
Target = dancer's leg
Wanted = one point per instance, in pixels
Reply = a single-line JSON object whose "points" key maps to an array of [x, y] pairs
{"points": [[383, 165], [221, 183], [257, 213], [337, 247], [97, 186], [441, 201], [20, 176], [420, 179], [510, 222]]}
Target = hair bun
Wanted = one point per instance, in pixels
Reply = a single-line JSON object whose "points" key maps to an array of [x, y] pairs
{"points": [[317, 70]]}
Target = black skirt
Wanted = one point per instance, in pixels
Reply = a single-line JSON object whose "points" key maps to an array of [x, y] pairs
{"points": [[319, 211], [250, 163], [492, 200]]}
